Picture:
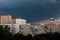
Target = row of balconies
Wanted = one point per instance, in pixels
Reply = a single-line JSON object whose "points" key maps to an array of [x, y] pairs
{"points": [[34, 29], [39, 29]]}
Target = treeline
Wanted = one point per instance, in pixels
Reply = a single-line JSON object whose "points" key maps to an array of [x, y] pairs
{"points": [[6, 35]]}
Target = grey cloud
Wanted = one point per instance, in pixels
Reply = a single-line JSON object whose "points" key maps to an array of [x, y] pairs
{"points": [[9, 3]]}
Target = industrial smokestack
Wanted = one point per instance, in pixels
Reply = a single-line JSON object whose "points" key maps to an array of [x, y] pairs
{"points": [[51, 20]]}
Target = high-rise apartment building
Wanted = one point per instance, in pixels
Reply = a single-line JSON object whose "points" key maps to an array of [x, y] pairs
{"points": [[4, 19], [20, 21]]}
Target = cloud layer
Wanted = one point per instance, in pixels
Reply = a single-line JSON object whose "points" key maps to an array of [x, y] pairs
{"points": [[11, 3], [32, 10]]}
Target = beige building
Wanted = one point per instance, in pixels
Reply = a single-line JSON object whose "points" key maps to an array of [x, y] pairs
{"points": [[4, 19], [14, 20], [24, 29]]}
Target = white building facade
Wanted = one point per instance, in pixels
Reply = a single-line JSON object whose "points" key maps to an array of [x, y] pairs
{"points": [[20, 21]]}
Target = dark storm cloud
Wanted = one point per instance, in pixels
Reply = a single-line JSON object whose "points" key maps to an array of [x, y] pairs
{"points": [[32, 10], [11, 3]]}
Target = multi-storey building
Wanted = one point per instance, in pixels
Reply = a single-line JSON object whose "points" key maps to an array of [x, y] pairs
{"points": [[13, 23], [13, 20], [5, 19], [20, 21], [24, 29]]}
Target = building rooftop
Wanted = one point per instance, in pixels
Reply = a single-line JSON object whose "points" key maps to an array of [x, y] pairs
{"points": [[20, 18], [5, 15]]}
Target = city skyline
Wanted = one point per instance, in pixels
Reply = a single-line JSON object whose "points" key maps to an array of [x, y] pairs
{"points": [[8, 19]]}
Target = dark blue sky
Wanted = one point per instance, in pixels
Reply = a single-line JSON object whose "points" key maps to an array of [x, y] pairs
{"points": [[32, 10]]}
